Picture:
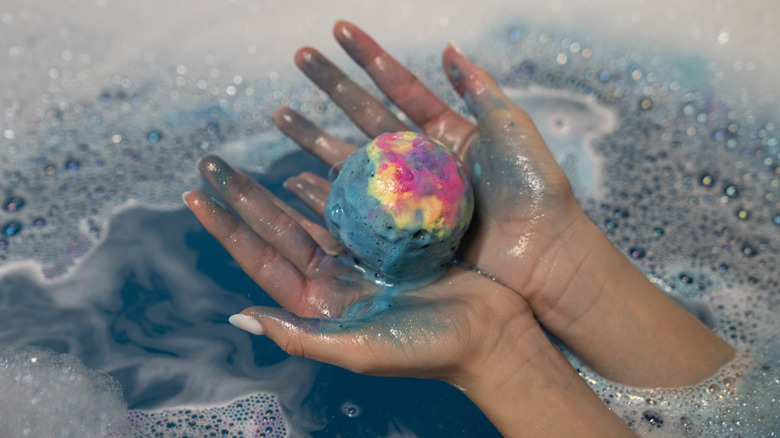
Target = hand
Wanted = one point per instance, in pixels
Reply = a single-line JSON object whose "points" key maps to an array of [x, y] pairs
{"points": [[526, 214], [464, 328], [528, 232], [332, 313]]}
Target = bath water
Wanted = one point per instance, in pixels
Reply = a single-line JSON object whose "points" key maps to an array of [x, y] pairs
{"points": [[114, 300]]}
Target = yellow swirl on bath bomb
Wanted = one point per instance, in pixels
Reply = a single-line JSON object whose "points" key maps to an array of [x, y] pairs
{"points": [[419, 183]]}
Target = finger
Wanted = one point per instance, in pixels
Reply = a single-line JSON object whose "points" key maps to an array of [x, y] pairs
{"points": [[258, 210], [324, 239], [494, 110], [324, 146], [511, 137], [481, 93], [335, 341], [273, 272], [314, 198], [311, 190], [403, 88], [369, 113]]}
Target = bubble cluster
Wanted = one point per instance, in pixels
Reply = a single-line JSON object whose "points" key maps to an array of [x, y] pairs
{"points": [[256, 416], [727, 404], [46, 394], [82, 161]]}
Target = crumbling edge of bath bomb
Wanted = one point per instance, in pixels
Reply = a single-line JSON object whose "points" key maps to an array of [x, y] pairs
{"points": [[400, 206]]}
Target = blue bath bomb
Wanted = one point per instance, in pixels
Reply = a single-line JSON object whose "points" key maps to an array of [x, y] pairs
{"points": [[400, 206]]}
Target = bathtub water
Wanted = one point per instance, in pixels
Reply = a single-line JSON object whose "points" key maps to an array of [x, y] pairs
{"points": [[113, 297]]}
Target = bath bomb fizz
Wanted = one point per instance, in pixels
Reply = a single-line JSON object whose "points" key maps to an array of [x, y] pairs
{"points": [[400, 206]]}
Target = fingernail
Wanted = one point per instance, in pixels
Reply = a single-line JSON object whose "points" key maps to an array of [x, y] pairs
{"points": [[247, 323], [457, 49], [184, 197], [310, 60]]}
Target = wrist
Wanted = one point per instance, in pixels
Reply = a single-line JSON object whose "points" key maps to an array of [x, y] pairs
{"points": [[570, 274], [619, 322], [534, 391]]}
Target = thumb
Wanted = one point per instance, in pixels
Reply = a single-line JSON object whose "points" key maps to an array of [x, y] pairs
{"points": [[500, 119], [477, 87], [328, 340]]}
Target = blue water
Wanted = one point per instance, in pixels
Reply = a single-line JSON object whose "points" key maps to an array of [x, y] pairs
{"points": [[137, 321], [428, 408], [682, 177]]}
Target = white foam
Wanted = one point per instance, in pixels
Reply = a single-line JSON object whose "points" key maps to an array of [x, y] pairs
{"points": [[52, 395], [98, 40]]}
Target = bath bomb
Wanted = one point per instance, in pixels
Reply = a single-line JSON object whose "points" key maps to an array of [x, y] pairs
{"points": [[400, 206]]}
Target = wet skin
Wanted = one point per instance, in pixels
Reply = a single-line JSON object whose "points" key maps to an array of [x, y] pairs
{"points": [[545, 263], [529, 233], [438, 331]]}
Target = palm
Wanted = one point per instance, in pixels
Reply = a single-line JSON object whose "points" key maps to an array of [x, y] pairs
{"points": [[436, 328], [523, 198]]}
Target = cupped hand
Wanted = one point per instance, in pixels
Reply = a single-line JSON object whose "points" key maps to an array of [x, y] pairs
{"points": [[446, 330], [464, 328], [526, 214]]}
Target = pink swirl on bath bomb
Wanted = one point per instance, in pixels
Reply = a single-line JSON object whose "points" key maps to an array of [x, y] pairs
{"points": [[419, 182]]}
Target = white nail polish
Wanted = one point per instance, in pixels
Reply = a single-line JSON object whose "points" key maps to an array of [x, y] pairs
{"points": [[184, 197], [247, 323]]}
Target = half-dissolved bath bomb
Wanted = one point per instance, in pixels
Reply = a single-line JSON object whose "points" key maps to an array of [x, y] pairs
{"points": [[400, 206]]}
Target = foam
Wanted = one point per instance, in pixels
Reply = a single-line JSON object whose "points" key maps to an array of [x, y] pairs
{"points": [[52, 395], [55, 395], [257, 416]]}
